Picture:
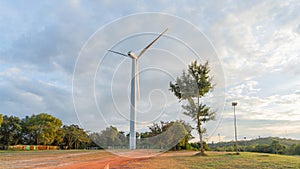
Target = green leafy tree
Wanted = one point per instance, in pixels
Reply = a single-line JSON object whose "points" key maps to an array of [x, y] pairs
{"points": [[277, 148], [70, 135], [121, 136], [59, 138], [190, 87], [10, 131], [263, 148], [175, 135], [108, 137], [172, 135], [42, 128], [74, 136], [297, 150]]}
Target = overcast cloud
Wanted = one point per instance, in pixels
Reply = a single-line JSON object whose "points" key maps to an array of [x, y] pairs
{"points": [[257, 44]]}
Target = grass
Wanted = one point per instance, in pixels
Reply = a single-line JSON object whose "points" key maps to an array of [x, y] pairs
{"points": [[222, 160], [180, 159]]}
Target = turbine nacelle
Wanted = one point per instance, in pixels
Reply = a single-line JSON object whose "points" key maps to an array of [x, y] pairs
{"points": [[132, 55]]}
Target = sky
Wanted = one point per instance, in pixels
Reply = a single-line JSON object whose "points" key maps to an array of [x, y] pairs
{"points": [[54, 59]]}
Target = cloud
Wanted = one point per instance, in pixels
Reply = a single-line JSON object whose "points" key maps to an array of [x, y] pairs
{"points": [[256, 42], [252, 105]]}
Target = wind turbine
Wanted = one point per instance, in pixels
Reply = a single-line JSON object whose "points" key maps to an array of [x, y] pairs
{"points": [[135, 88]]}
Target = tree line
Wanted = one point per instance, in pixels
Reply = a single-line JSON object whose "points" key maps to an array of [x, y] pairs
{"points": [[273, 145], [173, 135], [45, 129], [41, 129]]}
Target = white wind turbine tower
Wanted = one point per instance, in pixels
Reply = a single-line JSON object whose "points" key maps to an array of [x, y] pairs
{"points": [[135, 88]]}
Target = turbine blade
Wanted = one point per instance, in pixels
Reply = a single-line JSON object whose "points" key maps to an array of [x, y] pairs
{"points": [[150, 44], [117, 52], [138, 81]]}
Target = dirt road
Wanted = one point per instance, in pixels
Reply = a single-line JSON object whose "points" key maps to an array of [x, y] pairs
{"points": [[77, 159]]}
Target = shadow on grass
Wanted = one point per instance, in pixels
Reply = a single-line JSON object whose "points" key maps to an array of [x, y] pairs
{"points": [[232, 154], [264, 155]]}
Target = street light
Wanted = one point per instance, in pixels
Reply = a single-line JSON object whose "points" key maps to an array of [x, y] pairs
{"points": [[245, 143], [235, 132]]}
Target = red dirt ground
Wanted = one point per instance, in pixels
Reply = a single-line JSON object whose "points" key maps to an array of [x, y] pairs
{"points": [[77, 159]]}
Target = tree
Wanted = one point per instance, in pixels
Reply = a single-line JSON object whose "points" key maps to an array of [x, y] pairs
{"points": [[263, 148], [108, 137], [173, 135], [59, 138], [42, 128], [74, 136], [190, 87], [10, 131], [121, 136], [277, 148], [297, 150]]}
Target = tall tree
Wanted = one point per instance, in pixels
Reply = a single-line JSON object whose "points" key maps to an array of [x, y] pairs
{"points": [[10, 131], [190, 87], [43, 128]]}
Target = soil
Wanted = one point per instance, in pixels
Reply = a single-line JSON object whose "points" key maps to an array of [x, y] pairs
{"points": [[78, 159]]}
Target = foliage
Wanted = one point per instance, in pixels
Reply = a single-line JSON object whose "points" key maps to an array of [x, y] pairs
{"points": [[10, 131], [197, 146], [294, 149], [110, 137], [43, 128], [191, 86], [167, 135], [272, 145], [74, 136]]}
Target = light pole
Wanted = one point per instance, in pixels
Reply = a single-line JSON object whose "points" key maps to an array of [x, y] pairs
{"points": [[245, 143], [235, 132]]}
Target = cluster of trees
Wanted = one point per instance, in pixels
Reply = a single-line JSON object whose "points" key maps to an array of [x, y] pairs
{"points": [[272, 145], [45, 129], [168, 135], [41, 129], [164, 135]]}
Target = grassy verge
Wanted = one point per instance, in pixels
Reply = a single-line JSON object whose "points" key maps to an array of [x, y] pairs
{"points": [[221, 160]]}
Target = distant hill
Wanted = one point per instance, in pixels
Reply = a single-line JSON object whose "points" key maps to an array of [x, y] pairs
{"points": [[267, 140], [273, 145]]}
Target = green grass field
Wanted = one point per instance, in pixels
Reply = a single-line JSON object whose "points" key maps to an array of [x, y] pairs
{"points": [[221, 160], [180, 159]]}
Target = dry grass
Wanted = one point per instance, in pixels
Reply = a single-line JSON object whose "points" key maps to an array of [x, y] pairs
{"points": [[221, 160]]}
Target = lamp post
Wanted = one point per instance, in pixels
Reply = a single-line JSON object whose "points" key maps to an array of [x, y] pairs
{"points": [[245, 143], [235, 132]]}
